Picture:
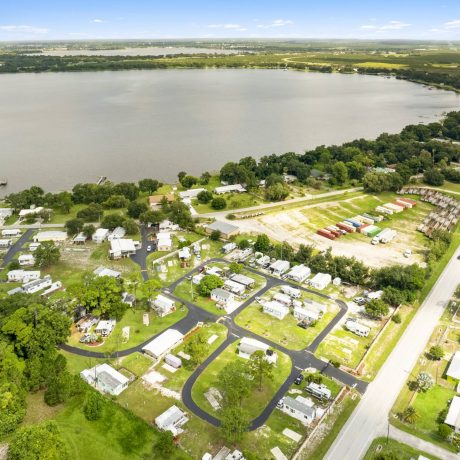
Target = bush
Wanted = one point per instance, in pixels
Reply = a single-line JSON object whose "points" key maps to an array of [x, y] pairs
{"points": [[93, 406], [376, 309], [445, 431], [218, 203], [396, 318], [204, 197], [208, 283], [215, 235], [436, 353]]}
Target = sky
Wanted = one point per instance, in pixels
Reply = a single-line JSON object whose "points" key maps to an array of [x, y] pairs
{"points": [[153, 19]]}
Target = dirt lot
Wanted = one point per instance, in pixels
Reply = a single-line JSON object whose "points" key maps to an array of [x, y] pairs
{"points": [[298, 226]]}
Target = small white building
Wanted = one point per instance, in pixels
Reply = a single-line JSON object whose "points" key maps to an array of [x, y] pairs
{"points": [[453, 415], [299, 409], [31, 287], [263, 261], [290, 291], [299, 273], [244, 280], [163, 305], [163, 343], [33, 246], [56, 286], [357, 328], [213, 271], [279, 267], [234, 287], [5, 213], [80, 238], [196, 279], [106, 379], [104, 271], [320, 281], [11, 232], [172, 420], [26, 260], [118, 232], [305, 314], [248, 346], [190, 194], [453, 371], [222, 297], [184, 253], [229, 247], [23, 276], [282, 298], [275, 309], [100, 235], [164, 242], [120, 247], [233, 188], [5, 243], [23, 213], [105, 327], [50, 235], [168, 225]]}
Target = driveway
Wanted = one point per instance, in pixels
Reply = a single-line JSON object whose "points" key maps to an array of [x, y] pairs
{"points": [[17, 247]]}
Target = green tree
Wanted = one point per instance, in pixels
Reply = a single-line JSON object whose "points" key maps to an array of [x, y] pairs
{"points": [[208, 283], [115, 202], [218, 203], [164, 446], [152, 217], [205, 178], [376, 309], [436, 353], [93, 213], [244, 243], [433, 176], [215, 235], [93, 407], [393, 296], [204, 196], [112, 221], [89, 230], [188, 181], [235, 267], [423, 382], [235, 382], [260, 368], [234, 423], [38, 442], [136, 208], [46, 254], [339, 172], [197, 347], [277, 192], [180, 214], [445, 431], [148, 186], [130, 226], [127, 189], [151, 288], [74, 226], [262, 243], [409, 415]]}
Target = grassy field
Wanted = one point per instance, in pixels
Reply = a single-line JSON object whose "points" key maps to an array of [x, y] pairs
{"points": [[382, 446], [234, 201], [285, 332], [256, 402], [136, 363], [138, 332]]}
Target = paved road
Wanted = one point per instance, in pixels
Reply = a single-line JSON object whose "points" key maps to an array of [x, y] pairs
{"points": [[370, 418], [16, 247], [261, 207]]}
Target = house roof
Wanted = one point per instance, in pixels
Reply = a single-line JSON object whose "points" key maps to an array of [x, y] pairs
{"points": [[299, 270], [243, 279], [104, 271], [222, 227], [192, 193], [222, 293], [453, 416], [299, 406], [234, 285], [249, 345], [106, 374], [163, 342], [169, 417], [156, 199], [122, 245], [276, 306], [454, 367], [163, 302], [321, 278], [280, 265]]}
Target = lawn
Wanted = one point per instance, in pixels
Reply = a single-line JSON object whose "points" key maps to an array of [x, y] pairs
{"points": [[136, 363], [391, 447], [139, 333], [176, 380], [60, 218], [345, 347], [77, 363], [184, 291], [285, 332], [256, 402], [234, 201], [428, 406]]}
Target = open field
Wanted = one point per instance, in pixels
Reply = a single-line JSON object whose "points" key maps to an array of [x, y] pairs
{"points": [[299, 225], [255, 403], [285, 332]]}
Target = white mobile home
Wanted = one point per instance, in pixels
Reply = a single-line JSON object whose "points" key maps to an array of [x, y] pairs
{"points": [[23, 276], [279, 267], [248, 346], [299, 409], [120, 248], [26, 260], [299, 273], [37, 285], [304, 314], [11, 232], [291, 291], [282, 298], [357, 328], [164, 242], [51, 235], [118, 232], [100, 235], [172, 420], [106, 379], [163, 343], [275, 309], [233, 188], [103, 271], [244, 280], [5, 244], [163, 305], [453, 415], [235, 288], [105, 327], [320, 281], [221, 296]]}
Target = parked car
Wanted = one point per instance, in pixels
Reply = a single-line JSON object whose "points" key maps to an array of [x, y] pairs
{"points": [[299, 379], [149, 248], [280, 403], [360, 300]]}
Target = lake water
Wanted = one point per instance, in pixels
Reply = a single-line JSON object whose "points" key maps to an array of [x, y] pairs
{"points": [[147, 51], [58, 129]]}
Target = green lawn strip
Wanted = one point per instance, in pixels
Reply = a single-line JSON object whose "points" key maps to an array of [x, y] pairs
{"points": [[285, 332], [77, 363], [175, 381], [184, 291], [428, 406], [139, 333], [335, 420], [136, 363], [333, 347], [257, 401], [392, 447], [234, 201], [60, 218]]}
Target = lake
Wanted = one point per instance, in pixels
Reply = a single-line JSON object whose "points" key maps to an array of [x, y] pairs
{"points": [[58, 129], [147, 51]]}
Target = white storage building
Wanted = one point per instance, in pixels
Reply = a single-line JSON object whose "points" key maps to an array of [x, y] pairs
{"points": [[50, 235], [105, 378], [320, 281], [279, 267], [100, 235], [234, 287], [23, 276], [163, 343], [163, 305], [276, 309], [299, 273]]}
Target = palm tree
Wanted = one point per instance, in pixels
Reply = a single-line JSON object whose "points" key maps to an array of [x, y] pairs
{"points": [[409, 415]]}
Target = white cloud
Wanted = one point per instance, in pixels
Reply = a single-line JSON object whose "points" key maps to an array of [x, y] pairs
{"points": [[455, 24], [276, 23], [237, 27], [97, 21], [24, 29], [391, 25]]}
